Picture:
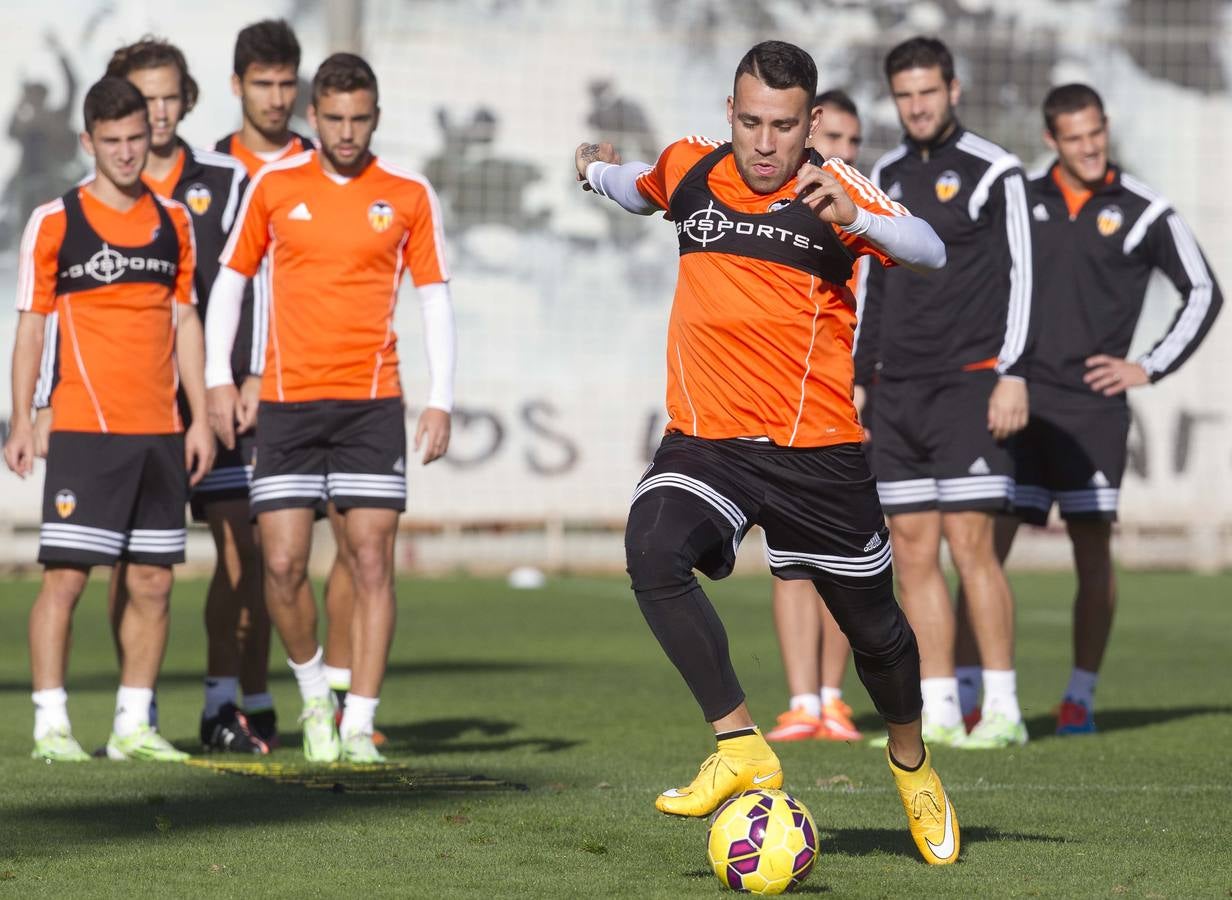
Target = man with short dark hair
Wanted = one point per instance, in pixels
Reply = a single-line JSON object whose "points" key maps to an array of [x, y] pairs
{"points": [[209, 185], [814, 649], [947, 356], [1099, 234], [335, 433], [762, 428], [116, 263]]}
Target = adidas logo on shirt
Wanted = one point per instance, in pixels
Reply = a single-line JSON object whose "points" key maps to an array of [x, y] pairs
{"points": [[979, 467], [1040, 212], [1099, 480], [300, 213], [895, 192], [873, 544]]}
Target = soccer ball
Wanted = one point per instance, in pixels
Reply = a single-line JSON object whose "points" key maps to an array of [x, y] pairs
{"points": [[762, 842]]}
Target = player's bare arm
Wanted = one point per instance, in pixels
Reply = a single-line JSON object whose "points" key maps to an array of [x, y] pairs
{"points": [[190, 355], [249, 401], [1007, 407], [1111, 375], [42, 431], [19, 449]]}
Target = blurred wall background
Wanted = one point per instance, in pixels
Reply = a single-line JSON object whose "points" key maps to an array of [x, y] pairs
{"points": [[562, 300]]}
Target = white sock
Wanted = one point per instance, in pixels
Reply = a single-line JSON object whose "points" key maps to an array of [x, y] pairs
{"points": [[810, 703], [50, 711], [258, 702], [357, 714], [829, 695], [339, 679], [1082, 687], [1001, 694], [310, 676], [132, 712], [969, 684], [941, 701], [219, 691]]}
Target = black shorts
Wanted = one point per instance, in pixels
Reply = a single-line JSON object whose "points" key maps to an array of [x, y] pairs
{"points": [[932, 449], [108, 497], [350, 452], [817, 506], [1072, 452], [229, 478]]}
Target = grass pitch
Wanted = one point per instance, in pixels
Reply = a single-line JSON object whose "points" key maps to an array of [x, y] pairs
{"points": [[530, 730]]}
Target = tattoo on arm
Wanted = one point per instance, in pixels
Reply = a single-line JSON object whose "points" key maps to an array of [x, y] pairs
{"points": [[590, 153]]}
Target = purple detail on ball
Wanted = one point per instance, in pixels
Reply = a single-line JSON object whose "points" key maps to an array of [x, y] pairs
{"points": [[792, 804], [734, 880], [804, 862], [746, 865], [757, 830], [810, 839], [741, 848], [798, 819]]}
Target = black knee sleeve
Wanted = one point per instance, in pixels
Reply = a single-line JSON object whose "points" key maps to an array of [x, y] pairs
{"points": [[665, 539], [882, 643]]}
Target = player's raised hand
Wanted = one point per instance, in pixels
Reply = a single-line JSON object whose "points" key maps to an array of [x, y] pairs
{"points": [[1111, 375], [220, 404], [585, 154], [1007, 408], [249, 401], [823, 194], [19, 448], [432, 432], [198, 451]]}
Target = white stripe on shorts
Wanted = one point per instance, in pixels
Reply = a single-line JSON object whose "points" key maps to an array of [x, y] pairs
{"points": [[729, 510]]}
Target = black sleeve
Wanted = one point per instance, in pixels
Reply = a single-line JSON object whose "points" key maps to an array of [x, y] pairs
{"points": [[1170, 247]]}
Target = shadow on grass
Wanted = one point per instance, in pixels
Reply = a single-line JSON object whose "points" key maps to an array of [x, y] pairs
{"points": [[221, 801], [1043, 727], [442, 736], [809, 887], [897, 841], [107, 681]]}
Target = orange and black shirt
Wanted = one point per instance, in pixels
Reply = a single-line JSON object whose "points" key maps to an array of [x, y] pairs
{"points": [[760, 337], [114, 279], [338, 251]]}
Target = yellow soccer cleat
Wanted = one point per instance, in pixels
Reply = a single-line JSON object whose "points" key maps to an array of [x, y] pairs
{"points": [[740, 764], [930, 815]]}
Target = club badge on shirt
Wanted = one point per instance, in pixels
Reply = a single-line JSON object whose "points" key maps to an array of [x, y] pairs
{"points": [[380, 216], [1109, 220], [947, 185], [198, 198]]}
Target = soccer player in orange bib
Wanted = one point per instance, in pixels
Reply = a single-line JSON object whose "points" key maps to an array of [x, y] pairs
{"points": [[343, 228], [762, 426], [115, 262]]}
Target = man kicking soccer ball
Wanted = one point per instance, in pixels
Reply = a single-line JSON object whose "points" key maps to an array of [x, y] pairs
{"points": [[762, 426]]}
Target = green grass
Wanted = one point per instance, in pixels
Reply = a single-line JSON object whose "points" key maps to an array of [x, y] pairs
{"points": [[564, 693]]}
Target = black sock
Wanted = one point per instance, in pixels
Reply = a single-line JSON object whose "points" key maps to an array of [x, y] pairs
{"points": [[739, 732], [914, 768]]}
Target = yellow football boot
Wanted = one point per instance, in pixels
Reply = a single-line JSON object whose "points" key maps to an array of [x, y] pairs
{"points": [[930, 815], [742, 763]]}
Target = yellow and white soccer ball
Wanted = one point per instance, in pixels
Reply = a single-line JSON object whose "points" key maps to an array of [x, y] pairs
{"points": [[762, 842]]}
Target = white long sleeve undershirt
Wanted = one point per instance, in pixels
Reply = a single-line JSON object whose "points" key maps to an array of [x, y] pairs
{"points": [[619, 183], [222, 319], [909, 240]]}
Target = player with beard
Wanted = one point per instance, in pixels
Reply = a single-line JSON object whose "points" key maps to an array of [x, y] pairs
{"points": [[116, 263], [1100, 233], [762, 426], [948, 352], [804, 625], [335, 433], [209, 185], [266, 79]]}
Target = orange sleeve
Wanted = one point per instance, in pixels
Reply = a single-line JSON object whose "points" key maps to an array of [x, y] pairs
{"points": [[657, 184], [424, 253], [40, 247], [185, 290], [869, 197], [250, 235]]}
